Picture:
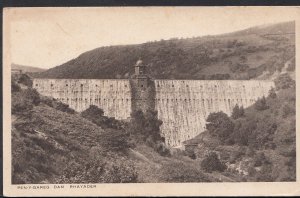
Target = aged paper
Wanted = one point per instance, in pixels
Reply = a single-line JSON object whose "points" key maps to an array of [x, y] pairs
{"points": [[47, 37]]}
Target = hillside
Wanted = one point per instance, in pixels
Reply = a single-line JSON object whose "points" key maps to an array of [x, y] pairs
{"points": [[255, 52], [26, 69], [258, 143]]}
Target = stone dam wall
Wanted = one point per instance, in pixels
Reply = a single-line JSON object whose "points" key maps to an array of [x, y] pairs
{"points": [[182, 105], [113, 96]]}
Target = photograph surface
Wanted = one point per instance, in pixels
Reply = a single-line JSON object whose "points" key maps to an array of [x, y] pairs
{"points": [[173, 95]]}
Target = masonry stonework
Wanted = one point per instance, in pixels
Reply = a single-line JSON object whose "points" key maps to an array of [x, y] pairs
{"points": [[182, 105]]}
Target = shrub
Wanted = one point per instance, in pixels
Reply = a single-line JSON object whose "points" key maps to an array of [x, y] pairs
{"points": [[243, 131], [272, 93], [25, 80], [260, 159], [212, 163], [96, 115], [261, 104], [92, 111], [287, 110], [14, 86], [24, 100], [238, 112], [63, 107], [220, 125], [284, 81]]}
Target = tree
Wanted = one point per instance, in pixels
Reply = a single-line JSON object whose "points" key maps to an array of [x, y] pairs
{"points": [[261, 104], [25, 80], [284, 81], [238, 112], [272, 93], [212, 163], [220, 125]]}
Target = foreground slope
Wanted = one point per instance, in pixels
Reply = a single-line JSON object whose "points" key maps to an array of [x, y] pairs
{"points": [[53, 144]]}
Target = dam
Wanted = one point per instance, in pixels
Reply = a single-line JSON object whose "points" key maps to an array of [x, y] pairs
{"points": [[182, 105]]}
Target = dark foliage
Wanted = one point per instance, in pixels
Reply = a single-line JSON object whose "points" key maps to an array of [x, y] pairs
{"points": [[272, 93], [261, 104], [238, 112], [220, 125], [24, 100], [14, 86], [212, 163], [96, 115], [145, 128], [284, 81], [25, 80]]}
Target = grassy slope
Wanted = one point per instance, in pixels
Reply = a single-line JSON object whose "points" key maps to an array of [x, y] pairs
{"points": [[193, 58], [45, 141]]}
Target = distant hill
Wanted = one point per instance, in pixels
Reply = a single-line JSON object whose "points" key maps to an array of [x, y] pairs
{"points": [[27, 69], [255, 52]]}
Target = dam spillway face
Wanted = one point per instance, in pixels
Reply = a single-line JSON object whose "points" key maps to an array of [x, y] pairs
{"points": [[182, 105]]}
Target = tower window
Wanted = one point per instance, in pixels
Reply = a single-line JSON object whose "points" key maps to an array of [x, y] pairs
{"points": [[66, 85], [142, 85], [36, 85]]}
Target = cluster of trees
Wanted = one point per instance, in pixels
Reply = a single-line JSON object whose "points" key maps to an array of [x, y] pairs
{"points": [[267, 126]]}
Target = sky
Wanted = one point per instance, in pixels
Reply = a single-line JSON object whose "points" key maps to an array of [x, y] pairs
{"points": [[47, 37]]}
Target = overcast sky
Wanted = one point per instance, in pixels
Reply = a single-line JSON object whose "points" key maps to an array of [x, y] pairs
{"points": [[47, 37]]}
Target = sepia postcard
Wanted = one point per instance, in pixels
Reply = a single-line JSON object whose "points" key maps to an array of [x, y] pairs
{"points": [[151, 101]]}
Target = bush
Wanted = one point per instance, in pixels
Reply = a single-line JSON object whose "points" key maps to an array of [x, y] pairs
{"points": [[260, 159], [63, 107], [96, 115], [284, 81], [244, 131], [24, 100], [272, 93], [261, 104], [25, 80], [220, 125], [212, 163], [14, 86], [238, 112]]}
